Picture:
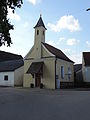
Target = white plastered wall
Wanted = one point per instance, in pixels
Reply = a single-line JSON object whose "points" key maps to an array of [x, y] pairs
{"points": [[18, 76], [10, 81]]}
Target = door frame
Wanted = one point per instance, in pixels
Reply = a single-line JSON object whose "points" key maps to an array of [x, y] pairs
{"points": [[37, 80]]}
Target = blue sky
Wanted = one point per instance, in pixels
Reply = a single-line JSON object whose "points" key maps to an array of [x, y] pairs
{"points": [[67, 24]]}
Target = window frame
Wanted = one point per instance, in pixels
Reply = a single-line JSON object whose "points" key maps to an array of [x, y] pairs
{"points": [[62, 72], [69, 73], [37, 32], [43, 32], [5, 77]]}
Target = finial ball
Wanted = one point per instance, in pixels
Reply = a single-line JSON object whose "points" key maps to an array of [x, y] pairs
{"points": [[40, 15]]}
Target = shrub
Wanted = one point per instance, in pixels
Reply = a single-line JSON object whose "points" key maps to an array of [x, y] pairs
{"points": [[32, 85], [41, 85]]}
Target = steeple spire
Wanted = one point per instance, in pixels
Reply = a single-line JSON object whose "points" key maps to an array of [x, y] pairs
{"points": [[40, 22]]}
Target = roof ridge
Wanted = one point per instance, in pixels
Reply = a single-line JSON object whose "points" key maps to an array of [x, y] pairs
{"points": [[5, 56], [9, 53], [57, 52], [52, 46]]}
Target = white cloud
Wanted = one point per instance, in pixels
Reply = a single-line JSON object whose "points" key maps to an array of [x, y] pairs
{"points": [[14, 16], [61, 39], [88, 43], [34, 2], [72, 41], [66, 50], [65, 22], [50, 42], [26, 24], [76, 57]]}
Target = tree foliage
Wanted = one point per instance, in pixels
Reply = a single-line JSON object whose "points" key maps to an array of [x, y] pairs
{"points": [[88, 9], [5, 25]]}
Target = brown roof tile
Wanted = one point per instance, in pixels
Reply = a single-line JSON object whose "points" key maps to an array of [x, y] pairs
{"points": [[35, 67], [77, 67], [86, 56], [58, 53]]}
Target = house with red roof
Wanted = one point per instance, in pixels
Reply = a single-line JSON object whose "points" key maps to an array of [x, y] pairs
{"points": [[46, 66]]}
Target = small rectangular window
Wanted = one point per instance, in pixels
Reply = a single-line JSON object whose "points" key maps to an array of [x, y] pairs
{"points": [[62, 72], [6, 77], [69, 73], [37, 32], [56, 76], [43, 32]]}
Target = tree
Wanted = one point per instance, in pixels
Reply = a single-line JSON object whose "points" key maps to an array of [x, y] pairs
{"points": [[5, 25], [88, 9]]}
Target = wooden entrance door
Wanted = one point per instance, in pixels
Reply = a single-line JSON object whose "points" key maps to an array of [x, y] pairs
{"points": [[38, 81]]}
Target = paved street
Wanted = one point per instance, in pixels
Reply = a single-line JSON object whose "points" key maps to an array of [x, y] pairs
{"points": [[36, 104]]}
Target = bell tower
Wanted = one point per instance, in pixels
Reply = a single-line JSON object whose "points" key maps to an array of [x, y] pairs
{"points": [[39, 36], [39, 31]]}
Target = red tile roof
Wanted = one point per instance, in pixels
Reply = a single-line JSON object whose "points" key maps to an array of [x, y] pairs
{"points": [[86, 56], [58, 53]]}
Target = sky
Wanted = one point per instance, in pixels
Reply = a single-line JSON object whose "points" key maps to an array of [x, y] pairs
{"points": [[67, 23]]}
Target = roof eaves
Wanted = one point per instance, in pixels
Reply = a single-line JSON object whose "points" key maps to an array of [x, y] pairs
{"points": [[65, 59], [63, 56]]}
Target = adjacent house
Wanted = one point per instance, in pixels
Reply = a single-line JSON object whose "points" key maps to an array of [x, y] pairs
{"points": [[78, 79], [45, 64], [11, 69], [86, 67]]}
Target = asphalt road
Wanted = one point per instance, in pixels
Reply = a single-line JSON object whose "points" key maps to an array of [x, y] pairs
{"points": [[36, 104]]}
